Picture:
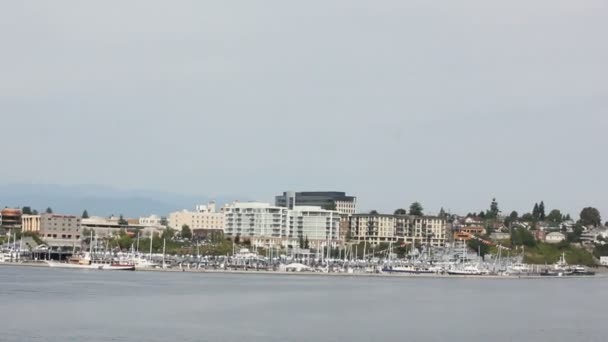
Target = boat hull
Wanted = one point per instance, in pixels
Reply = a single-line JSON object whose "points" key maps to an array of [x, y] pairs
{"points": [[407, 271], [73, 266], [118, 267]]}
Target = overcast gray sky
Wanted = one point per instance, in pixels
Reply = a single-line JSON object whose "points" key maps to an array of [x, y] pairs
{"points": [[447, 102]]}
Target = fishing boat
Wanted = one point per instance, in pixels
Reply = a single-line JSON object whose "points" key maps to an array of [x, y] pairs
{"points": [[561, 269]]}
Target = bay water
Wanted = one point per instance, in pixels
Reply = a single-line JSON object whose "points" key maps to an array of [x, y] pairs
{"points": [[41, 304]]}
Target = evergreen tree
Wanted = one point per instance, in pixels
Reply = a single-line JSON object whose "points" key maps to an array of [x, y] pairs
{"points": [[494, 209], [85, 214], [416, 209], [306, 243], [442, 213], [301, 241], [541, 211], [34, 212], [26, 211], [49, 210], [535, 211]]}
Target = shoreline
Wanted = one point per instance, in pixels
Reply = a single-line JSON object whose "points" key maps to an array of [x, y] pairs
{"points": [[600, 273]]}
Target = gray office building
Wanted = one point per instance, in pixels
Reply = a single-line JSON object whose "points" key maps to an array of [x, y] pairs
{"points": [[331, 200]]}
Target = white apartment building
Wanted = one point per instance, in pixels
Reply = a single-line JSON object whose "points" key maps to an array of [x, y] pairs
{"points": [[267, 225], [255, 219], [204, 218]]}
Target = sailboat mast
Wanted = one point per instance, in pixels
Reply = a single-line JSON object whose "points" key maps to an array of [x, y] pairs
{"points": [[151, 240], [164, 243]]}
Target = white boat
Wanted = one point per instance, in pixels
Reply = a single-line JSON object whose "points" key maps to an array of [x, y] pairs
{"points": [[144, 263], [85, 262], [82, 262], [466, 270], [518, 269]]}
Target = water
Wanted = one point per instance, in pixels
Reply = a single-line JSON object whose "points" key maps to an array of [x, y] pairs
{"points": [[40, 304]]}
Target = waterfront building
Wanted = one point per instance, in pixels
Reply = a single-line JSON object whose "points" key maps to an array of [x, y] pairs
{"points": [[104, 227], [60, 230], [204, 220], [319, 226], [151, 221], [330, 200], [267, 225], [255, 219], [11, 220], [30, 223], [379, 228]]}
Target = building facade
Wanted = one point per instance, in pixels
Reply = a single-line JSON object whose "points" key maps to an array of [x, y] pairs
{"points": [[267, 225], [103, 227], [151, 221], [330, 200], [11, 220], [60, 228], [380, 228], [30, 223], [205, 218]]}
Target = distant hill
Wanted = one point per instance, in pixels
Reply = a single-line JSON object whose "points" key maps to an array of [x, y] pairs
{"points": [[98, 200]]}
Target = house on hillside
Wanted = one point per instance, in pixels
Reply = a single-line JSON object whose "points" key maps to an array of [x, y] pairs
{"points": [[555, 237]]}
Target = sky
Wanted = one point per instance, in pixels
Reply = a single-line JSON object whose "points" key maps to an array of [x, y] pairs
{"points": [[449, 103]]}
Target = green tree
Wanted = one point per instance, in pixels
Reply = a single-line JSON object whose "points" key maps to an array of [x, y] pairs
{"points": [[49, 210], [527, 217], [576, 234], [122, 221], [442, 213], [482, 215], [535, 211], [26, 211], [168, 234], [237, 239], [85, 214], [479, 247], [416, 209], [34, 212], [400, 212], [306, 243], [513, 217], [522, 237], [494, 211], [555, 216], [590, 217], [541, 211], [186, 232], [373, 212], [301, 241]]}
